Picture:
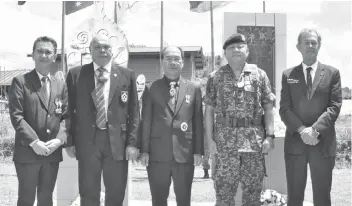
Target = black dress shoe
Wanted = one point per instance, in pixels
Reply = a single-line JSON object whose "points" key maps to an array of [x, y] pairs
{"points": [[206, 174]]}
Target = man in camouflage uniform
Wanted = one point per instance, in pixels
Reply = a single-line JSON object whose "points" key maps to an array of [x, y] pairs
{"points": [[237, 97]]}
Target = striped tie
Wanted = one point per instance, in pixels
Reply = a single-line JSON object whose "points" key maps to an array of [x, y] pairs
{"points": [[100, 100], [45, 89]]}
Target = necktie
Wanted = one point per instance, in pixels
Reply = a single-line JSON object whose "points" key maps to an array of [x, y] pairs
{"points": [[45, 89], [309, 81], [100, 100], [173, 92]]}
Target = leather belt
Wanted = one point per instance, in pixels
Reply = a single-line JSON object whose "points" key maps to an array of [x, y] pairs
{"points": [[237, 122]]}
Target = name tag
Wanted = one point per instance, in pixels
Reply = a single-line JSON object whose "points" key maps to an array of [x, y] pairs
{"points": [[292, 81]]}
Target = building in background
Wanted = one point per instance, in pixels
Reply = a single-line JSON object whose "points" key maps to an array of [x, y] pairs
{"points": [[146, 60]]}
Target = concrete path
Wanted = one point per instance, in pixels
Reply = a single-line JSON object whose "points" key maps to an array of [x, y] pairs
{"points": [[148, 203]]}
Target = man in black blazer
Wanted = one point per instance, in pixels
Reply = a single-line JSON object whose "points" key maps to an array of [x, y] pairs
{"points": [[172, 131], [38, 110], [311, 99], [103, 103]]}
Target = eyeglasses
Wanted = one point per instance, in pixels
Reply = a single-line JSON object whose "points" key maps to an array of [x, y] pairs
{"points": [[44, 51], [105, 47], [172, 59]]}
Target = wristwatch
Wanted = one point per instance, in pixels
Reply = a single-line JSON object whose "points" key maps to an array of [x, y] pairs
{"points": [[271, 135]]}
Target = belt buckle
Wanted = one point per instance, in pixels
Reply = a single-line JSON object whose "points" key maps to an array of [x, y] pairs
{"points": [[234, 122], [245, 122], [230, 121]]}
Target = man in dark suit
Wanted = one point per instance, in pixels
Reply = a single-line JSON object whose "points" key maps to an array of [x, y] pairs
{"points": [[103, 102], [311, 99], [38, 110], [172, 131]]}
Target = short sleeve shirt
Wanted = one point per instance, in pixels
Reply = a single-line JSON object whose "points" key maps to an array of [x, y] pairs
{"points": [[237, 98]]}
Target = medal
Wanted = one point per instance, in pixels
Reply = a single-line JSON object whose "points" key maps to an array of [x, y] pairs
{"points": [[172, 92], [124, 96], [123, 127], [184, 126], [58, 104], [188, 97], [240, 84]]}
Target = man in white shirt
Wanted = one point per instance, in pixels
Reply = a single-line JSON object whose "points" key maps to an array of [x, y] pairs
{"points": [[311, 99], [38, 110], [103, 102]]}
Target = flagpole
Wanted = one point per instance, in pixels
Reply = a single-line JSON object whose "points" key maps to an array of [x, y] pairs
{"points": [[115, 12], [63, 39], [161, 34], [212, 35], [263, 6]]}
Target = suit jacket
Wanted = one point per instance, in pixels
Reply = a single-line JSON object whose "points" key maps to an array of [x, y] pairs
{"points": [[320, 111], [162, 136], [123, 117], [32, 119]]}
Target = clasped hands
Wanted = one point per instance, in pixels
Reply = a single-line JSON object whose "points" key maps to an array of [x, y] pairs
{"points": [[309, 135], [46, 148]]}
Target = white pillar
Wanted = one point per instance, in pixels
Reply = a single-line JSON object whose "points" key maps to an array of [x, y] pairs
{"points": [[128, 192]]}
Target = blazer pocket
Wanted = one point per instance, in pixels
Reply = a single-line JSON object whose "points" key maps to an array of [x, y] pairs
{"points": [[156, 132], [324, 88], [189, 135]]}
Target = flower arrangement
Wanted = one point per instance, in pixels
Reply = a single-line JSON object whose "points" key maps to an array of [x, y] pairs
{"points": [[272, 198]]}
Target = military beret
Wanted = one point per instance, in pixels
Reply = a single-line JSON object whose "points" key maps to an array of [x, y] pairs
{"points": [[235, 38]]}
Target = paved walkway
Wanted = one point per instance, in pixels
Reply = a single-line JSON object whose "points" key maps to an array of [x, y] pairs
{"points": [[148, 203]]}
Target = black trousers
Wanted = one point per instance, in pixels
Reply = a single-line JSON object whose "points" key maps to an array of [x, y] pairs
{"points": [[35, 178], [160, 174], [321, 173], [114, 172]]}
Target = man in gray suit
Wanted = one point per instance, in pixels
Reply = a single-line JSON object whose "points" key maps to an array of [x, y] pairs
{"points": [[38, 111], [172, 131], [311, 99], [103, 102]]}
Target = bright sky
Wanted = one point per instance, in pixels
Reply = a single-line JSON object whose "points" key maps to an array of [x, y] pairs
{"points": [[21, 26]]}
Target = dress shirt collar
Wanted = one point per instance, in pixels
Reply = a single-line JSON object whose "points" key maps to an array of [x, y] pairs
{"points": [[107, 67], [167, 80], [313, 66], [41, 76]]}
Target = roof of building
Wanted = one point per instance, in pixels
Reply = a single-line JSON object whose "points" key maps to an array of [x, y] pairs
{"points": [[157, 49], [7, 76]]}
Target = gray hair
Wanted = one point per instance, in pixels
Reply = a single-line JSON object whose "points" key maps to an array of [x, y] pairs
{"points": [[308, 31]]}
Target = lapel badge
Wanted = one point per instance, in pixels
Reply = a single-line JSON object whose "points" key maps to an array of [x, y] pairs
{"points": [[58, 104], [172, 92], [115, 75], [124, 96], [123, 127], [240, 84], [188, 97], [184, 126]]}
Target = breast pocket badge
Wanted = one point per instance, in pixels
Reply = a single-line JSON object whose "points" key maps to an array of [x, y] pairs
{"points": [[184, 126], [188, 98], [124, 96], [58, 104]]}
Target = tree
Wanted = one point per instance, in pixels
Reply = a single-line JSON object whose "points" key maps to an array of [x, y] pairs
{"points": [[346, 93]]}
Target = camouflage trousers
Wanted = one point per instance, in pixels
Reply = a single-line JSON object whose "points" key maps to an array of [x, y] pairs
{"points": [[206, 157], [234, 168]]}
